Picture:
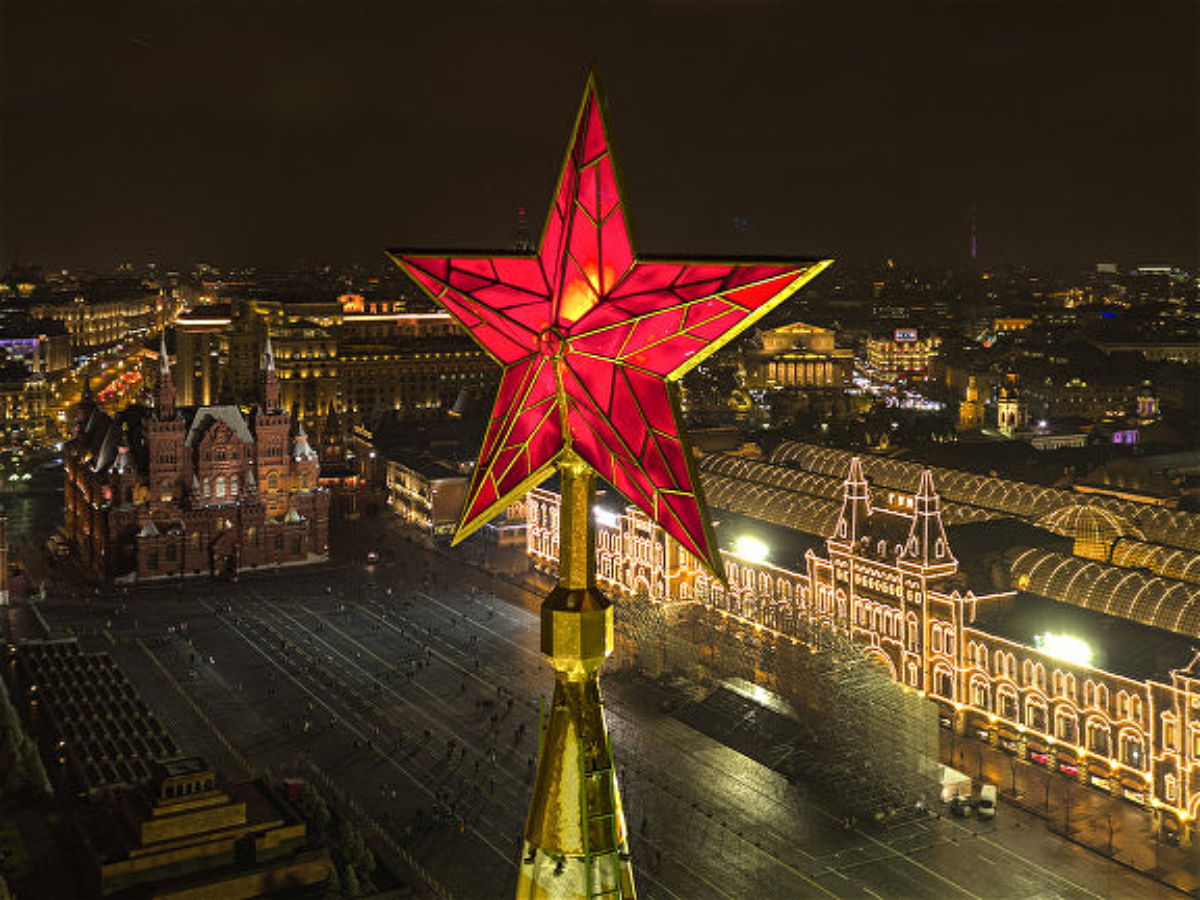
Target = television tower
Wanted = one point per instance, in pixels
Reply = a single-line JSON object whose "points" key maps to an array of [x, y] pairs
{"points": [[522, 242]]}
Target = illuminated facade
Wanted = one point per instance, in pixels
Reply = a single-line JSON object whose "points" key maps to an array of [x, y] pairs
{"points": [[997, 672], [99, 320], [193, 490], [798, 355], [904, 354]]}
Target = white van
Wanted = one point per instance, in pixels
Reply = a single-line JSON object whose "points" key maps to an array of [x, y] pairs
{"points": [[987, 802]]}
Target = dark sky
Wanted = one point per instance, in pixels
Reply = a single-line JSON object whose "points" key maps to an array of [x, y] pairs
{"points": [[279, 133]]}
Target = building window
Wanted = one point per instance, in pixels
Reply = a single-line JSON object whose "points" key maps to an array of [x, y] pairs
{"points": [[1131, 749], [943, 684], [166, 492], [1097, 740], [1035, 715], [980, 695], [220, 487], [1008, 704], [1169, 786], [1170, 736], [273, 482], [1065, 728]]}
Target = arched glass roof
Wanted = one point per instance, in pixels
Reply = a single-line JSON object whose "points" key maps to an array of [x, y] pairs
{"points": [[1159, 525], [1126, 593]]}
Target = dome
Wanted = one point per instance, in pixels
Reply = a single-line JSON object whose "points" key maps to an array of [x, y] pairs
{"points": [[1086, 522]]}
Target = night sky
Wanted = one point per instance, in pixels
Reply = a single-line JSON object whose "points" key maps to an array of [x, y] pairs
{"points": [[274, 134]]}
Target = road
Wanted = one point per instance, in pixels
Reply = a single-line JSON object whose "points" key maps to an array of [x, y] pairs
{"points": [[389, 677]]}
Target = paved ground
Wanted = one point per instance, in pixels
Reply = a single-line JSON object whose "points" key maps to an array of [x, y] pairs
{"points": [[397, 679]]}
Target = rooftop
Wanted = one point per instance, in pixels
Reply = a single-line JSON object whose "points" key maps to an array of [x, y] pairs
{"points": [[1120, 646]]}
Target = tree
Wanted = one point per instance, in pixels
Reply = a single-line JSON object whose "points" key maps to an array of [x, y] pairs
{"points": [[333, 885], [353, 888]]}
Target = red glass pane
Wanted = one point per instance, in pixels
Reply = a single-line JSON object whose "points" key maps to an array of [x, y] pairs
{"points": [[594, 141], [651, 396], [647, 277], [742, 275], [481, 267], [465, 281], [590, 379], [720, 326], [607, 186], [588, 197], [698, 289], [605, 342], [754, 296], [616, 256], [525, 274]]}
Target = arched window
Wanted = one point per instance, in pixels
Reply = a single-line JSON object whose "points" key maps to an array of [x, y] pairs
{"points": [[980, 695], [207, 489], [273, 481], [1097, 737], [1035, 714], [1065, 726], [220, 487], [166, 490], [943, 683], [1132, 749], [1006, 703]]}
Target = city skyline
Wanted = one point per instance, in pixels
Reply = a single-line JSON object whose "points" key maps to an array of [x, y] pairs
{"points": [[1054, 134]]}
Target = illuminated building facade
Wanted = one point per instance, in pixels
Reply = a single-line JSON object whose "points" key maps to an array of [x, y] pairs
{"points": [[360, 357], [426, 491], [798, 355], [904, 354], [101, 316], [24, 404], [193, 490], [1041, 679]]}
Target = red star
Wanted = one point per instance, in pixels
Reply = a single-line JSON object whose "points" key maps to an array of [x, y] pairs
{"points": [[592, 339]]}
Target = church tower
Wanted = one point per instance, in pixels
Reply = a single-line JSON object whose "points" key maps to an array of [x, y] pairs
{"points": [[272, 425], [164, 430]]}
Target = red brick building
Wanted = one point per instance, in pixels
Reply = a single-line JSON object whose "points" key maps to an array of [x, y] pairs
{"points": [[193, 490]]}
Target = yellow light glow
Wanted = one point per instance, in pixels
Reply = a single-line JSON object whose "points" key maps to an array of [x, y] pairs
{"points": [[1065, 647], [751, 549]]}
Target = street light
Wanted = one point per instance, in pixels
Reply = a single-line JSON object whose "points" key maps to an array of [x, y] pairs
{"points": [[1065, 647], [751, 549]]}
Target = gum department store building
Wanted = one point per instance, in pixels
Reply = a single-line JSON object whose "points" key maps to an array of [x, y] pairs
{"points": [[1126, 721], [206, 490]]}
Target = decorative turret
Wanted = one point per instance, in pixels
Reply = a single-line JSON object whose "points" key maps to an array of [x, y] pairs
{"points": [[84, 409], [270, 380], [856, 505], [123, 465], [927, 545], [164, 395], [303, 451]]}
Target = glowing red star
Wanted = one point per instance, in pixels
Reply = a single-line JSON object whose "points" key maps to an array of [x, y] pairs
{"points": [[592, 339]]}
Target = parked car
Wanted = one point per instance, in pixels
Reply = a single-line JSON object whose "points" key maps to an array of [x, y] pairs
{"points": [[987, 802], [960, 807]]}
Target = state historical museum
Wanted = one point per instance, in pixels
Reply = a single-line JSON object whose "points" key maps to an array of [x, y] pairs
{"points": [[206, 490]]}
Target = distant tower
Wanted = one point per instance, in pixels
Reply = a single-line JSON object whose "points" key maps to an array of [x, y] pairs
{"points": [[974, 241], [1010, 407], [522, 241], [970, 410], [164, 394], [269, 380]]}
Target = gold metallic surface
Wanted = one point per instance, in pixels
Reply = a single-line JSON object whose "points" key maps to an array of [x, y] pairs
{"points": [[577, 536], [575, 836]]}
